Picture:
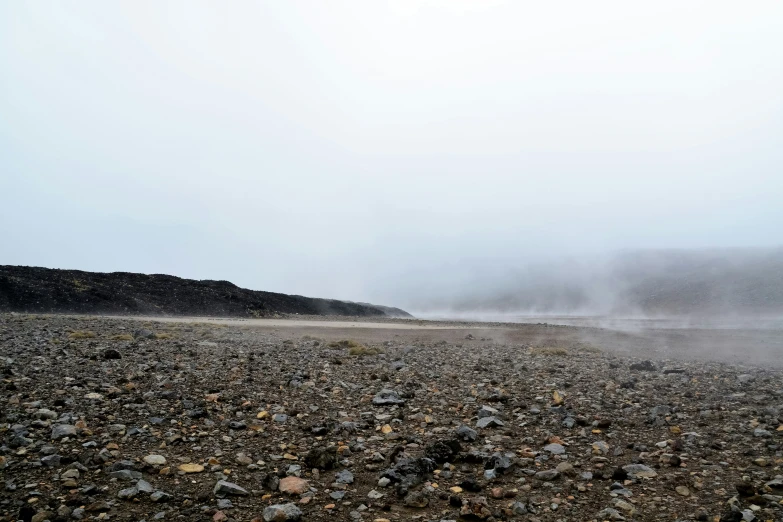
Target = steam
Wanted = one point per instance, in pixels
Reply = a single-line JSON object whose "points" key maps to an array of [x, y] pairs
{"points": [[677, 288]]}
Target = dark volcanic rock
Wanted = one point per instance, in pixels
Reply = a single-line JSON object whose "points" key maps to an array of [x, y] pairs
{"points": [[45, 290], [321, 458], [387, 397], [443, 451], [410, 472], [644, 366]]}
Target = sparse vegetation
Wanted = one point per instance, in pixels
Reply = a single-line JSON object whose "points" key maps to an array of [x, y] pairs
{"points": [[164, 335], [347, 343], [80, 286], [361, 351], [588, 348], [82, 334]]}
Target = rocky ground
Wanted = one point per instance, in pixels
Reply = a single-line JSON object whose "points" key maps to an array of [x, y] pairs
{"points": [[117, 419]]}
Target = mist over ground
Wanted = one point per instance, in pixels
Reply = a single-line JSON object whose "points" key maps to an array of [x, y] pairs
{"points": [[738, 284]]}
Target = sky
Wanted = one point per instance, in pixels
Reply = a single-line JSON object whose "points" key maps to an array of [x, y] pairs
{"points": [[383, 151]]}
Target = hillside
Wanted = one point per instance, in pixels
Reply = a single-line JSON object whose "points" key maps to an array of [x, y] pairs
{"points": [[45, 290], [715, 282]]}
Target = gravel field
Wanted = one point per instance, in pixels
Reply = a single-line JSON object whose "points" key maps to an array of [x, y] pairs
{"points": [[108, 418]]}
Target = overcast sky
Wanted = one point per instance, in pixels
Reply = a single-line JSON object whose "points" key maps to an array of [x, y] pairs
{"points": [[378, 151]]}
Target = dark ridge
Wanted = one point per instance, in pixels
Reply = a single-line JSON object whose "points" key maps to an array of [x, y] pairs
{"points": [[46, 290]]}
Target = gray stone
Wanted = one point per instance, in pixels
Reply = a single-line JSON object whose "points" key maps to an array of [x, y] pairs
{"points": [[60, 431], [344, 477], [489, 422], [555, 449], [51, 461], [548, 475], [160, 496], [70, 474], [45, 414], [229, 488], [487, 411], [143, 333], [282, 513], [155, 460], [467, 433], [416, 499], [610, 514], [639, 471], [128, 493], [387, 397], [125, 474], [660, 411]]}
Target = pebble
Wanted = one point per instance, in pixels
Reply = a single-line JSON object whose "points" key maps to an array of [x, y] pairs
{"points": [[155, 460]]}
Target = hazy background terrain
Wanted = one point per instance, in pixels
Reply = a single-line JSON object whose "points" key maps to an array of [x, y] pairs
{"points": [[441, 156], [724, 283]]}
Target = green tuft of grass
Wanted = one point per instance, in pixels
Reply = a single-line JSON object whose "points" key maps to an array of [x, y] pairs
{"points": [[164, 335]]}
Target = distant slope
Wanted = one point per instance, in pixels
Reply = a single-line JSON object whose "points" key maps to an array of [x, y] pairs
{"points": [[716, 282], [737, 281], [44, 290]]}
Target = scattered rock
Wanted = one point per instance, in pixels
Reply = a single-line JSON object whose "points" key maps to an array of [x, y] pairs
{"points": [[387, 397], [293, 486], [60, 431], [489, 422], [644, 366], [282, 513], [228, 488], [155, 460], [635, 471]]}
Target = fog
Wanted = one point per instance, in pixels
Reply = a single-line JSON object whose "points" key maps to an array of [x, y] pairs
{"points": [[671, 288], [446, 157]]}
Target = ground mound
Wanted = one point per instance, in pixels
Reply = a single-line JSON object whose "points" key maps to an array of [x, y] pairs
{"points": [[45, 290]]}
